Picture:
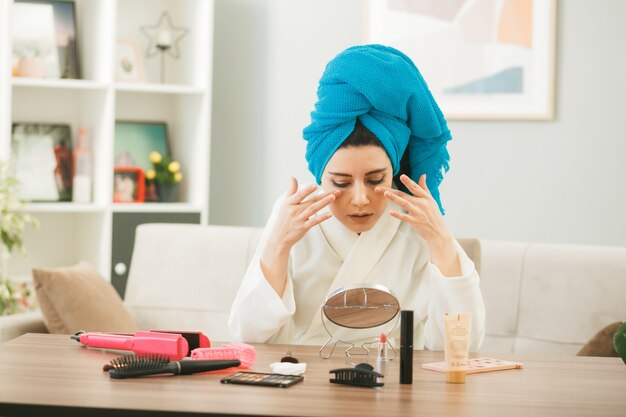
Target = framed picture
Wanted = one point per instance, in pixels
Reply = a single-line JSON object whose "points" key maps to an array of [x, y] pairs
{"points": [[129, 62], [128, 185], [135, 140], [44, 39], [43, 161], [480, 59]]}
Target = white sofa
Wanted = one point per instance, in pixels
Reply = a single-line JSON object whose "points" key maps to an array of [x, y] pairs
{"points": [[540, 298]]}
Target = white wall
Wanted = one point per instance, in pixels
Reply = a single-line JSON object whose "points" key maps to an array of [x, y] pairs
{"points": [[239, 113], [269, 56], [558, 181]]}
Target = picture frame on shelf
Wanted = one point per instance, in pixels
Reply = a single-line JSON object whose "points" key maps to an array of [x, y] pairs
{"points": [[134, 140], [128, 185], [129, 65], [43, 161], [499, 57], [44, 34]]}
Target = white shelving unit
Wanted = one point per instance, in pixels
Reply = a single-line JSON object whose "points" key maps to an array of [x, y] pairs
{"points": [[70, 231]]}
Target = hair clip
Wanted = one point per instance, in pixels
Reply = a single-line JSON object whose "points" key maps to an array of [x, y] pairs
{"points": [[362, 375], [289, 358]]}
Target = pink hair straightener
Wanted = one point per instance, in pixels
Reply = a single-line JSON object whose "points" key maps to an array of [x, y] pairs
{"points": [[173, 345]]}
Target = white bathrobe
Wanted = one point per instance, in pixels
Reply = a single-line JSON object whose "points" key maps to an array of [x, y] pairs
{"points": [[330, 256]]}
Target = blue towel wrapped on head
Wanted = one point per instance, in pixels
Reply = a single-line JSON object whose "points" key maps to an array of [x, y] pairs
{"points": [[382, 87]]}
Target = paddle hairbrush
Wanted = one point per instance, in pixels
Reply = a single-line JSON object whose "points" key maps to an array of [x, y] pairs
{"points": [[131, 366]]}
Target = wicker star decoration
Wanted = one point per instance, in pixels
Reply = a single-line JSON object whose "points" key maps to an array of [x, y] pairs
{"points": [[164, 37]]}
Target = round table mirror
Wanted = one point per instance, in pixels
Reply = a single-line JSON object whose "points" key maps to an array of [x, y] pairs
{"points": [[361, 306]]}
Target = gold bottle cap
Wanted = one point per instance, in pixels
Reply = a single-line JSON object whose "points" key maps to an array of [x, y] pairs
{"points": [[455, 377]]}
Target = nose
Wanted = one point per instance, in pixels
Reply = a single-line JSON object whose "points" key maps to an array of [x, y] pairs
{"points": [[360, 196]]}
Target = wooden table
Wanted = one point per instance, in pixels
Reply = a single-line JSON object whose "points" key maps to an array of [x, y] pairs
{"points": [[51, 375]]}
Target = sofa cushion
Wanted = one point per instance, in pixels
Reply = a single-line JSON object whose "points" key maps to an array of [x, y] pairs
{"points": [[77, 298], [502, 267], [568, 292], [549, 299], [185, 276]]}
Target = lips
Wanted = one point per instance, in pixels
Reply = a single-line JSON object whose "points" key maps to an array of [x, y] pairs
{"points": [[360, 217]]}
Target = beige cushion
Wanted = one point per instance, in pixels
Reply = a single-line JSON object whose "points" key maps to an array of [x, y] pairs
{"points": [[77, 298], [549, 299], [186, 276], [500, 277]]}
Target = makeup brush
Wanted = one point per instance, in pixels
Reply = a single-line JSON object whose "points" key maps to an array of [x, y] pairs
{"points": [[131, 366]]}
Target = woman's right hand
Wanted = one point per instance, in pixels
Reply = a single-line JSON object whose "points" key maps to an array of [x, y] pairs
{"points": [[295, 217]]}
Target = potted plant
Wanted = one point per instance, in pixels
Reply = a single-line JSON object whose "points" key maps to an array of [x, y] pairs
{"points": [[166, 175], [14, 297]]}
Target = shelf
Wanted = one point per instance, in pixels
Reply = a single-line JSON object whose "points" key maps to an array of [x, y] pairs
{"points": [[59, 84], [158, 88], [155, 208], [68, 207], [63, 207], [70, 231]]}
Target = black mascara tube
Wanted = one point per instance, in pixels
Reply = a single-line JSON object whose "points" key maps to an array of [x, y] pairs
{"points": [[406, 347]]}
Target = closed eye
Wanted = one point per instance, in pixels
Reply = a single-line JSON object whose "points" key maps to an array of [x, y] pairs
{"points": [[370, 182], [341, 184]]}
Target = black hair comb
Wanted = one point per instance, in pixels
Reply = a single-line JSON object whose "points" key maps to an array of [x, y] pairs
{"points": [[131, 366], [362, 375]]}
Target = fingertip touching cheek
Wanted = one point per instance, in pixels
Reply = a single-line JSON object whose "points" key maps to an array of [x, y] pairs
{"points": [[357, 171]]}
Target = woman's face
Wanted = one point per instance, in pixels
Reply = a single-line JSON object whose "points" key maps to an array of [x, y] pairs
{"points": [[357, 171]]}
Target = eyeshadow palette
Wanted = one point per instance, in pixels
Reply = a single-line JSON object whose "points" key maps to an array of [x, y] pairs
{"points": [[263, 379], [477, 365]]}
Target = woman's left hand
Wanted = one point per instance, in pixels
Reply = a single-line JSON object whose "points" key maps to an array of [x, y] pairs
{"points": [[422, 213]]}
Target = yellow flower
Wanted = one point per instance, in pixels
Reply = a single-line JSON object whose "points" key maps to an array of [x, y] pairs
{"points": [[155, 157], [174, 166], [150, 174], [164, 169]]}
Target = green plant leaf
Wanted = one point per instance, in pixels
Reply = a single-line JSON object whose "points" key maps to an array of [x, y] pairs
{"points": [[6, 239], [13, 221]]}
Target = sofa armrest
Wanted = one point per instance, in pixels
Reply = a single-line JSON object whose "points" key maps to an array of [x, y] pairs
{"points": [[16, 325]]}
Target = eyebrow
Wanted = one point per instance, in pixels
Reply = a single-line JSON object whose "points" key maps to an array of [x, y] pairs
{"points": [[376, 171]]}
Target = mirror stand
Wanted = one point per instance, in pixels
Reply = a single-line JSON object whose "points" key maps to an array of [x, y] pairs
{"points": [[365, 347]]}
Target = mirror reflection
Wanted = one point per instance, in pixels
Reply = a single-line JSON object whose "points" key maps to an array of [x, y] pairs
{"points": [[361, 306]]}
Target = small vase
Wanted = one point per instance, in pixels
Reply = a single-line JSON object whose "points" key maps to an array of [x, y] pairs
{"points": [[167, 193]]}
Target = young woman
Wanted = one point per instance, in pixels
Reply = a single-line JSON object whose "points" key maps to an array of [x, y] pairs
{"points": [[375, 119]]}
